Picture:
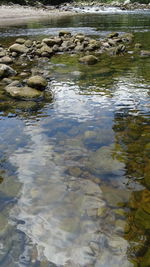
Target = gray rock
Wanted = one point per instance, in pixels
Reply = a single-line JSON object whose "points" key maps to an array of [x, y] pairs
{"points": [[90, 60], [116, 50], [80, 37], [28, 43], [115, 197], [7, 81], [52, 41], [6, 71], [6, 60], [20, 41], [14, 83], [2, 52], [79, 48], [37, 82], [138, 45], [145, 53], [47, 50], [18, 48], [112, 35], [64, 33], [23, 92], [127, 38]]}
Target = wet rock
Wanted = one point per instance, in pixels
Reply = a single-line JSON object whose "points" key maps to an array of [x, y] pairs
{"points": [[18, 48], [46, 51], [7, 81], [55, 48], [112, 35], [75, 171], [138, 46], [89, 60], [20, 41], [14, 83], [6, 71], [92, 46], [127, 38], [80, 37], [145, 53], [23, 92], [2, 52], [37, 82], [103, 161], [116, 50], [79, 48], [64, 33], [95, 247], [70, 224], [115, 197], [120, 212], [52, 41], [23, 74], [120, 226], [6, 60], [28, 43], [114, 42], [14, 54]]}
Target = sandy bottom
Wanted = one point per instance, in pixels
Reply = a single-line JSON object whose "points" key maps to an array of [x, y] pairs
{"points": [[12, 15]]}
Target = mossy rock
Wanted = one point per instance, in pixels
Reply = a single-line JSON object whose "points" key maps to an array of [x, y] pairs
{"points": [[37, 82], [23, 92], [89, 60]]}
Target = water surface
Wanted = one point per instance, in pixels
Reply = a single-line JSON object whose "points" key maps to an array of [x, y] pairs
{"points": [[74, 171]]}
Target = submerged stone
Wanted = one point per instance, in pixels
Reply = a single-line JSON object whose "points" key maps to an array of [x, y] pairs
{"points": [[103, 161], [89, 60], [115, 196]]}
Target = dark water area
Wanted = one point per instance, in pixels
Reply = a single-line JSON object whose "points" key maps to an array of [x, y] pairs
{"points": [[75, 170]]}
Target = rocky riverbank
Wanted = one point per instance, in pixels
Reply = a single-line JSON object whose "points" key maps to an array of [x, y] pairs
{"points": [[17, 14], [99, 6]]}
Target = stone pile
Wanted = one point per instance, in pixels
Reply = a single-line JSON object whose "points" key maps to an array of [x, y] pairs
{"points": [[87, 48]]}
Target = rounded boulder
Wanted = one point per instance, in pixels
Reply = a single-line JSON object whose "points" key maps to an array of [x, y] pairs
{"points": [[37, 82]]}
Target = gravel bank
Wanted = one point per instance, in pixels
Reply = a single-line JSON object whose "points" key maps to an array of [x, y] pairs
{"points": [[10, 15]]}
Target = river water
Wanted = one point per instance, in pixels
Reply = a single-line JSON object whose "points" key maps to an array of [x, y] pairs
{"points": [[75, 170]]}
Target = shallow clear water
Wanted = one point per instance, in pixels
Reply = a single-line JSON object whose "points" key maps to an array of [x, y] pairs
{"points": [[74, 171]]}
